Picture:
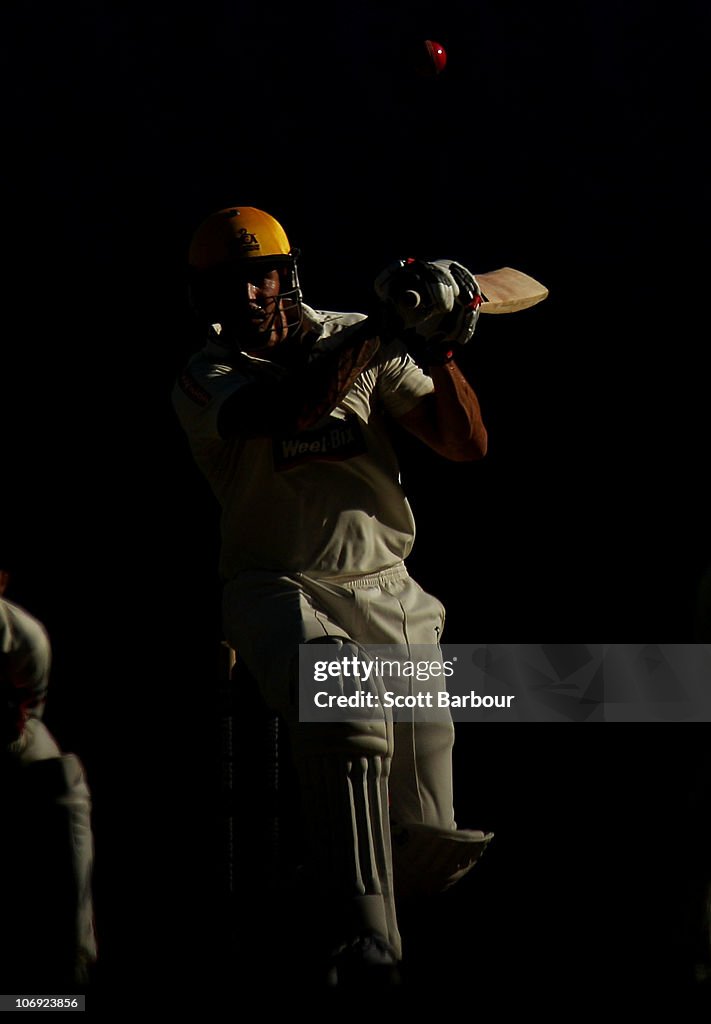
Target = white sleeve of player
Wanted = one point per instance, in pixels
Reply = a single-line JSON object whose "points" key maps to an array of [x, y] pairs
{"points": [[401, 382], [199, 392], [26, 658]]}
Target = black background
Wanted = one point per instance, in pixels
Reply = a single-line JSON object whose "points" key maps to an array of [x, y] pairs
{"points": [[565, 142]]}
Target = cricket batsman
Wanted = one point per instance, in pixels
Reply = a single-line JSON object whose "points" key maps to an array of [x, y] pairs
{"points": [[287, 410]]}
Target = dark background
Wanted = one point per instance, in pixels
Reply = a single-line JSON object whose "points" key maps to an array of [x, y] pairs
{"points": [[566, 142]]}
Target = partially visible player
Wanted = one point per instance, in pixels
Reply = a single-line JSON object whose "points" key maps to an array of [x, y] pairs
{"points": [[47, 937], [286, 409]]}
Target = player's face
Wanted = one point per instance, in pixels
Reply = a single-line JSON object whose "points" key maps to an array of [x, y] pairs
{"points": [[260, 290]]}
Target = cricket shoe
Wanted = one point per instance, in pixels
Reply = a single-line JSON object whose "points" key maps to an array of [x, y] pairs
{"points": [[367, 961]]}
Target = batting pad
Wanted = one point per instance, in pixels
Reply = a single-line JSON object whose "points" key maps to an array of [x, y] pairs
{"points": [[429, 860], [345, 800]]}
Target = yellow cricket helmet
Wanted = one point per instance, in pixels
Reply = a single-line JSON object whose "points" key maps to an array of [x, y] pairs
{"points": [[227, 243], [237, 233]]}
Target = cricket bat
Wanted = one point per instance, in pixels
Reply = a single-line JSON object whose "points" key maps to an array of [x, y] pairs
{"points": [[507, 290]]}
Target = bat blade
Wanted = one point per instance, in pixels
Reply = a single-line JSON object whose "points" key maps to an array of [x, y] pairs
{"points": [[507, 290]]}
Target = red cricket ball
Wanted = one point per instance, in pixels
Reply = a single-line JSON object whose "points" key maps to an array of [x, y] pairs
{"points": [[436, 56]]}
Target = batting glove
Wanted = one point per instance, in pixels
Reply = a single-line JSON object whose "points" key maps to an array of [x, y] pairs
{"points": [[456, 327], [435, 305], [416, 291]]}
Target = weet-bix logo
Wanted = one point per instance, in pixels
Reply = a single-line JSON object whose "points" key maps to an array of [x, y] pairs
{"points": [[335, 441]]}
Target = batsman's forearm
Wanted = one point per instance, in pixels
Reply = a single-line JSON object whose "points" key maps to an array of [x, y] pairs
{"points": [[267, 406], [459, 424], [309, 391]]}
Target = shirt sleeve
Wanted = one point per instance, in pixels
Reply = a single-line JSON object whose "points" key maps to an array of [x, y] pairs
{"points": [[25, 660], [401, 382], [199, 392]]}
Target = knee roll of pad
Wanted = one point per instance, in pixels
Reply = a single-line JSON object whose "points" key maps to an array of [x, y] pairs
{"points": [[351, 680]]}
